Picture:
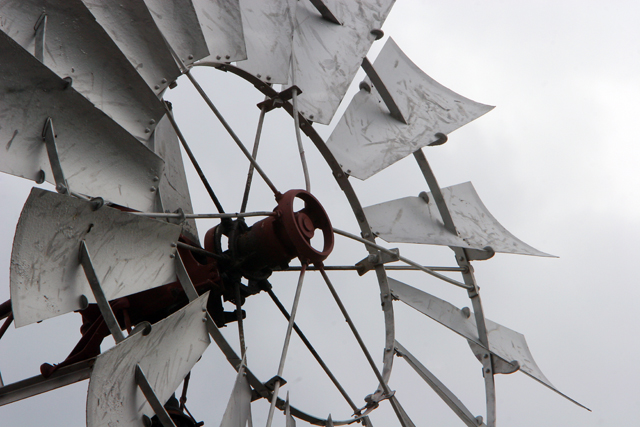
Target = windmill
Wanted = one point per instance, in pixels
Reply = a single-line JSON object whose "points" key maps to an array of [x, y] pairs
{"points": [[83, 93]]}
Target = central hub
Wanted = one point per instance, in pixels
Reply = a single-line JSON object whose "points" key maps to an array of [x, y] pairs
{"points": [[274, 241]]}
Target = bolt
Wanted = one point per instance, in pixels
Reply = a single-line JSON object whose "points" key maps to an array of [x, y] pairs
{"points": [[486, 356], [488, 370], [173, 245]]}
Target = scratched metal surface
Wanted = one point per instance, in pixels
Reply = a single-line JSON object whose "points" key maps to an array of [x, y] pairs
{"points": [[173, 189], [98, 157], [239, 407], [166, 356], [129, 253], [179, 25], [412, 220], [221, 24], [77, 47], [327, 56], [505, 343], [367, 139], [268, 34], [133, 30]]}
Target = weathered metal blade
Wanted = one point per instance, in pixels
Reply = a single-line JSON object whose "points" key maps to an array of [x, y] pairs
{"points": [[166, 355], [507, 344], [239, 407], [221, 24], [77, 47], [268, 34], [130, 254], [290, 421], [413, 220], [368, 139], [173, 190], [327, 56], [98, 157], [133, 30], [180, 27]]}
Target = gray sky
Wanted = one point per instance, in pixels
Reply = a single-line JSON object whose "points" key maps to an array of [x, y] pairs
{"points": [[554, 163]]}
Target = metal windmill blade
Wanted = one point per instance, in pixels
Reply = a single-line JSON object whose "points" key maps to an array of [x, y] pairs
{"points": [[82, 88]]}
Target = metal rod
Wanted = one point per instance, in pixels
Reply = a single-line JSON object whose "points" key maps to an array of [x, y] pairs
{"points": [[313, 351], [150, 395], [401, 258], [243, 349], [194, 162], [185, 280], [382, 90], [101, 299], [231, 132], [204, 216], [199, 251], [355, 332], [41, 30], [436, 192], [386, 267], [285, 347], [6, 325], [49, 137], [254, 154], [296, 120]]}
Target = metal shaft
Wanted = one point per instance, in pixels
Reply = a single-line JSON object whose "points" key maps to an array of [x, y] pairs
{"points": [[254, 154]]}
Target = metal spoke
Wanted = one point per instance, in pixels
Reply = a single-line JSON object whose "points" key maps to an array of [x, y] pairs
{"points": [[204, 216], [194, 162], [303, 159], [254, 154], [231, 132], [285, 347], [386, 267], [401, 258], [315, 354]]}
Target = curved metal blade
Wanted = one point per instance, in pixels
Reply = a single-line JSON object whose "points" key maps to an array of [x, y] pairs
{"points": [[166, 355], [130, 254], [180, 27], [221, 24], [368, 139], [133, 30], [412, 220], [268, 34], [239, 407], [77, 47], [504, 343], [98, 157], [173, 190], [327, 56]]}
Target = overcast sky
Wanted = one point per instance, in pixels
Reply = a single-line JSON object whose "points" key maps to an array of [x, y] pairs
{"points": [[555, 162]]}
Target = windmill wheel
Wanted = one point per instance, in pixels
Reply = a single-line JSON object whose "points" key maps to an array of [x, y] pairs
{"points": [[85, 93]]}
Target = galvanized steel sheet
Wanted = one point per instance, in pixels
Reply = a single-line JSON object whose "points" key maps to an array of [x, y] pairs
{"points": [[98, 157], [412, 220], [221, 24], [367, 139], [268, 35], [133, 30], [77, 47], [130, 254], [327, 56], [166, 356]]}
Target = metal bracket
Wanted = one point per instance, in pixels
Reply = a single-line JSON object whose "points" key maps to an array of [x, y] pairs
{"points": [[271, 384], [150, 395], [383, 91], [101, 299], [49, 137], [279, 99], [40, 28], [373, 260], [480, 254], [325, 12], [184, 279], [498, 365]]}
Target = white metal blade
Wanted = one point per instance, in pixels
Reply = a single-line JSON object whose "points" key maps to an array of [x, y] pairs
{"points": [[239, 407], [76, 46], [412, 220], [131, 27], [98, 157], [173, 188], [268, 34], [504, 343], [221, 24], [327, 56], [166, 355], [180, 27], [367, 139], [130, 254]]}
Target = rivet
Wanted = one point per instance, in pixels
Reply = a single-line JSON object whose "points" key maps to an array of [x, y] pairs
{"points": [[349, 171], [152, 189], [157, 87], [152, 122], [147, 130], [156, 179], [486, 356], [268, 77], [204, 320], [173, 245], [488, 371], [311, 117], [229, 57], [190, 56], [163, 81], [172, 256], [258, 75], [218, 57]]}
